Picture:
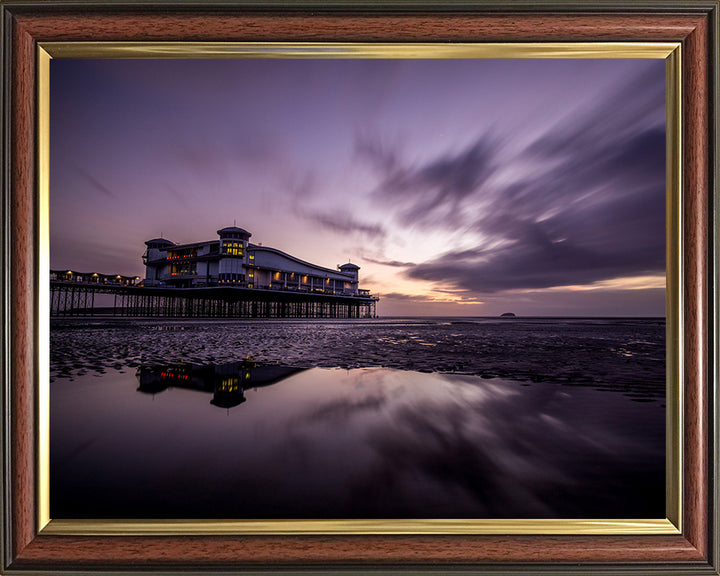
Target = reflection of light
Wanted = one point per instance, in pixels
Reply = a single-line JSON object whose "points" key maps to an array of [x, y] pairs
{"points": [[229, 384], [166, 375]]}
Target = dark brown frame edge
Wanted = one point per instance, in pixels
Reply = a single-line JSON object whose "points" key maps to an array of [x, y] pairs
{"points": [[25, 23]]}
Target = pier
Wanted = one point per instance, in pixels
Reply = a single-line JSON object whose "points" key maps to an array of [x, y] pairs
{"points": [[227, 277], [78, 298]]}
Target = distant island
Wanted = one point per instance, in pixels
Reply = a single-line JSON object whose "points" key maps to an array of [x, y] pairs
{"points": [[507, 315]]}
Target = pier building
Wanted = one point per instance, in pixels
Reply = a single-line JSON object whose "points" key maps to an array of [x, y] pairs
{"points": [[224, 278], [231, 260]]}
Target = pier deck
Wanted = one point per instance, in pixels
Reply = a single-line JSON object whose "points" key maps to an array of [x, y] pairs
{"points": [[78, 299]]}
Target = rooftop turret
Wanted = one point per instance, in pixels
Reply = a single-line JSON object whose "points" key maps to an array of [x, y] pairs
{"points": [[234, 232], [349, 267], [159, 243]]}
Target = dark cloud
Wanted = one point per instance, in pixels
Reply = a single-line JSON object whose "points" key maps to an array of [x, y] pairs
{"points": [[177, 196], [602, 121], [376, 153], [95, 184], [432, 193], [342, 222], [210, 159], [384, 262], [408, 297], [593, 208], [460, 298]]}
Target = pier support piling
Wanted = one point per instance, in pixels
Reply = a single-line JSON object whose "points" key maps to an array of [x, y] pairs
{"points": [[77, 299]]}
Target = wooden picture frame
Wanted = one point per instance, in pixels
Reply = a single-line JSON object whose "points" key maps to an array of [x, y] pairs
{"points": [[28, 24]]}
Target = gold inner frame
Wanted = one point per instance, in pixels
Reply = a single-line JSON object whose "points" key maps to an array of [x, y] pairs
{"points": [[670, 52]]}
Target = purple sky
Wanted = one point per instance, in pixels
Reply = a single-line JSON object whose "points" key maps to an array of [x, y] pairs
{"points": [[460, 187]]}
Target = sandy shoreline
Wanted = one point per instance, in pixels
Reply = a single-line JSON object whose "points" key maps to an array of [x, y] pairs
{"points": [[624, 356]]}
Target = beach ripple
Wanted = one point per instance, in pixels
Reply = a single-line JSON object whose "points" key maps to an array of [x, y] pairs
{"points": [[623, 355]]}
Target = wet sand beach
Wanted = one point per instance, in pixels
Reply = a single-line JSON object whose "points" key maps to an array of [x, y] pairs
{"points": [[461, 418], [618, 354]]}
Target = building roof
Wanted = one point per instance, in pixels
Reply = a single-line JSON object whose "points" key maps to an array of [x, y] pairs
{"points": [[255, 248], [161, 241], [349, 266], [193, 245], [233, 229]]}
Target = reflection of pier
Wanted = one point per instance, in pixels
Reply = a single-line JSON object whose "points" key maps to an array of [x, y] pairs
{"points": [[226, 382], [78, 299]]}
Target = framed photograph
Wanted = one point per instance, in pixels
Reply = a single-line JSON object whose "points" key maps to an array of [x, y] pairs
{"points": [[343, 287]]}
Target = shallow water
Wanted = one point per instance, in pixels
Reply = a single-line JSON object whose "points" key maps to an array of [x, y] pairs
{"points": [[183, 440]]}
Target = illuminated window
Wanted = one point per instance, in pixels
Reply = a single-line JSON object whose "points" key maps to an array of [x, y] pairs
{"points": [[232, 248], [229, 385]]}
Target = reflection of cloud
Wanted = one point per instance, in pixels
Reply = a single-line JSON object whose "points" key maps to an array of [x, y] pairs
{"points": [[343, 408], [483, 449]]}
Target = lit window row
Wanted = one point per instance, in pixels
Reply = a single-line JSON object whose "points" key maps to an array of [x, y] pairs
{"points": [[229, 385], [231, 278], [166, 375], [174, 256], [183, 269], [232, 248]]}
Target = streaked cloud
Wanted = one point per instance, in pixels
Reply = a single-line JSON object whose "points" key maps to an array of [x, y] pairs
{"points": [[453, 181], [432, 193], [95, 184], [593, 211], [341, 222]]}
